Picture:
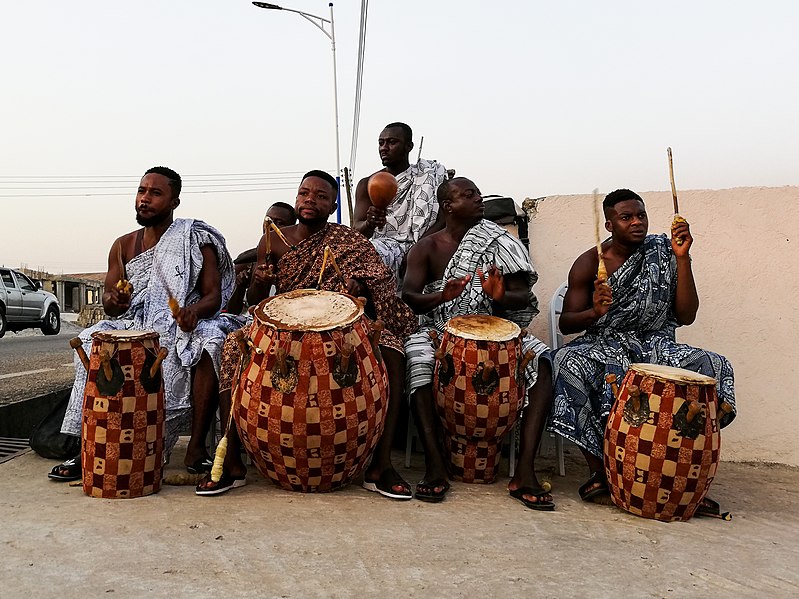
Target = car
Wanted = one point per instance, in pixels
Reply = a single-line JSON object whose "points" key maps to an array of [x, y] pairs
{"points": [[25, 305]]}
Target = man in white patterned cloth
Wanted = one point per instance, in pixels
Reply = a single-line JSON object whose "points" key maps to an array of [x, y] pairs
{"points": [[185, 259], [414, 210], [473, 266]]}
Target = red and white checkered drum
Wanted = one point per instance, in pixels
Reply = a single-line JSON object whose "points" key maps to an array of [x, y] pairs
{"points": [[123, 416], [310, 405], [662, 442], [479, 392]]}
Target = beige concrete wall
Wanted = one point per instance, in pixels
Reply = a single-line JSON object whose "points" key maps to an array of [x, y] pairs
{"points": [[745, 264]]}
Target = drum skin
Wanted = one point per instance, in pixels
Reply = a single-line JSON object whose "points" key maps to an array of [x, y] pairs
{"points": [[123, 432], [657, 464], [474, 420], [315, 434]]}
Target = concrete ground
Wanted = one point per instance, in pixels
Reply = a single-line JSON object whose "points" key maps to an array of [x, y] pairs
{"points": [[260, 541]]}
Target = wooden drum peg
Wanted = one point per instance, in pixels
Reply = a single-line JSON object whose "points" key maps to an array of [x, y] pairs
{"points": [[76, 344], [440, 356], [162, 354], [280, 363], [611, 380], [105, 362], [635, 397], [346, 352], [726, 407], [377, 330], [528, 356], [240, 337], [693, 409], [488, 368], [434, 336]]}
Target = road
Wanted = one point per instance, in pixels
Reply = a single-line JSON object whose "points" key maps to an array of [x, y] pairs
{"points": [[32, 364]]}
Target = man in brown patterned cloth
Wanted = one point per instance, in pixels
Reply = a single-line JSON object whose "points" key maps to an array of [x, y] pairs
{"points": [[365, 275]]}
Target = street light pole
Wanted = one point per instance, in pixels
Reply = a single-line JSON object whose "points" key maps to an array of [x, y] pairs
{"points": [[319, 22]]}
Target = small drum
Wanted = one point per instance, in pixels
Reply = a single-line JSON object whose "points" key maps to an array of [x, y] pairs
{"points": [[311, 400], [662, 441], [123, 415], [479, 392]]}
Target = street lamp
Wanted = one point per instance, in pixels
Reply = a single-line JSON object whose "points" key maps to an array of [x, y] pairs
{"points": [[319, 22]]}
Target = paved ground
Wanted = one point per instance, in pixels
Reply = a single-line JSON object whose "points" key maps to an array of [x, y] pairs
{"points": [[260, 541]]}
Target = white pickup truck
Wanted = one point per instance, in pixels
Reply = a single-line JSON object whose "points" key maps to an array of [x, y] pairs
{"points": [[24, 305]]}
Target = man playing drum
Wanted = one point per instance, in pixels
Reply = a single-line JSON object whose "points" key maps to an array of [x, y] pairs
{"points": [[363, 274], [629, 318], [166, 260], [472, 266], [413, 211]]}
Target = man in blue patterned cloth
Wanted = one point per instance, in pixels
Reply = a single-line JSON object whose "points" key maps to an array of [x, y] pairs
{"points": [[414, 210], [629, 318], [472, 266], [185, 259]]}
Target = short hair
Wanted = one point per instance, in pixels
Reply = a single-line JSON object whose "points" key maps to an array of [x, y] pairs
{"points": [[405, 129], [620, 195], [288, 208], [323, 175], [444, 193], [175, 182]]}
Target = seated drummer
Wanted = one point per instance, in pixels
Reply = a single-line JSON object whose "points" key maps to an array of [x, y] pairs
{"points": [[629, 318], [365, 275], [472, 266], [282, 215], [183, 258]]}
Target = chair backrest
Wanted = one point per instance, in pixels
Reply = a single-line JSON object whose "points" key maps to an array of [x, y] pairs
{"points": [[555, 308]]}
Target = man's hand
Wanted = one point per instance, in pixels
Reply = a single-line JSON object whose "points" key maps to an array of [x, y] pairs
{"points": [[118, 301], [376, 217], [602, 298], [681, 230], [454, 287], [493, 283], [187, 318], [264, 274], [243, 277], [355, 288]]}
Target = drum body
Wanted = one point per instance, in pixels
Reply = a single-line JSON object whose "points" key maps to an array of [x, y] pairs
{"points": [[123, 417], [659, 461], [477, 406], [308, 417]]}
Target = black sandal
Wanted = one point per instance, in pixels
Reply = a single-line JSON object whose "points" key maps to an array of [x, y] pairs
{"points": [[431, 496], [72, 467], [389, 479], [600, 484], [540, 503]]}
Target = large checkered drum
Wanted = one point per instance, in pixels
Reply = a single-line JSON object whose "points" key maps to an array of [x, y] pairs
{"points": [[479, 392], [123, 415], [662, 442], [311, 402]]}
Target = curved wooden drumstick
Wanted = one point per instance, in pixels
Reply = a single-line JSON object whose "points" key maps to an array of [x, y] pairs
{"points": [[677, 217], [601, 271], [123, 284]]}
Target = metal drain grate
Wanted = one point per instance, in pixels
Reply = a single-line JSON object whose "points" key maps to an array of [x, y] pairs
{"points": [[11, 448]]}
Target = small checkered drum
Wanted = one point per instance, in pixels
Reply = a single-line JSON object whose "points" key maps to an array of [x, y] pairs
{"points": [[479, 392], [123, 416], [310, 403], [662, 442]]}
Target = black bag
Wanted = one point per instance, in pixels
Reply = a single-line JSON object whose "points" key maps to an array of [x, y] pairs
{"points": [[47, 439]]}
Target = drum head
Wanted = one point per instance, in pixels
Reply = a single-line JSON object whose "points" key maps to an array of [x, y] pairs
{"points": [[482, 327], [123, 336], [309, 310], [672, 375]]}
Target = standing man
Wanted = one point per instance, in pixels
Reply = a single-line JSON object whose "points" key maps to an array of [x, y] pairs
{"points": [[472, 266], [181, 258], [630, 317], [414, 209]]}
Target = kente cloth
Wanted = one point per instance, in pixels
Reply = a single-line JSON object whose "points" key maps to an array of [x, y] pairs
{"points": [[173, 267], [639, 327], [412, 211], [483, 245], [299, 268]]}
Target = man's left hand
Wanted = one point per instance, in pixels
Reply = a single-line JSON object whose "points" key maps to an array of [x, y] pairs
{"points": [[187, 319], [681, 230], [355, 288], [493, 283]]}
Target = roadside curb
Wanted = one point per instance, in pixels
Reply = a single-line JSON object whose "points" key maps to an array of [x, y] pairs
{"points": [[18, 419]]}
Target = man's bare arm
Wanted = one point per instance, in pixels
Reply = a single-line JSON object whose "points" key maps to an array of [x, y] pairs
{"points": [[585, 299]]}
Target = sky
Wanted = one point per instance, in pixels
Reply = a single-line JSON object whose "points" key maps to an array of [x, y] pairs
{"points": [[527, 98]]}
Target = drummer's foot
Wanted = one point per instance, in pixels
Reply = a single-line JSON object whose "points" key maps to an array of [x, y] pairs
{"points": [[197, 464], [231, 479], [389, 483], [67, 471], [595, 488], [531, 493]]}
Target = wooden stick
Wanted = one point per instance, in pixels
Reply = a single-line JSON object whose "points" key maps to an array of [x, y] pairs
{"points": [[324, 265], [162, 354], [337, 269], [602, 271], [282, 237], [421, 143], [348, 189], [671, 178], [76, 344]]}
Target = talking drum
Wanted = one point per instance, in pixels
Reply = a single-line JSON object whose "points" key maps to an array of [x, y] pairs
{"points": [[662, 441], [479, 391], [310, 403], [123, 415]]}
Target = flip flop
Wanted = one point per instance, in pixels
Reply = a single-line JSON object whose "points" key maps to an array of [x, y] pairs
{"points": [[73, 468], [201, 466], [386, 483], [225, 484], [711, 509], [544, 505], [432, 496], [602, 489]]}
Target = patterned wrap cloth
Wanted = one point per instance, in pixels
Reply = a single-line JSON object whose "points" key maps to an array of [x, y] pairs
{"points": [[356, 257], [639, 327], [412, 211], [172, 266], [483, 245]]}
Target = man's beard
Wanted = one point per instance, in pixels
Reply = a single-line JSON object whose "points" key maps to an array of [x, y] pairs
{"points": [[312, 222], [155, 219]]}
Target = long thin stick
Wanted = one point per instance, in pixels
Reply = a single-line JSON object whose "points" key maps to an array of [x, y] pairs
{"points": [[336, 268], [348, 188], [602, 271], [282, 237], [671, 178], [421, 143], [324, 265]]}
